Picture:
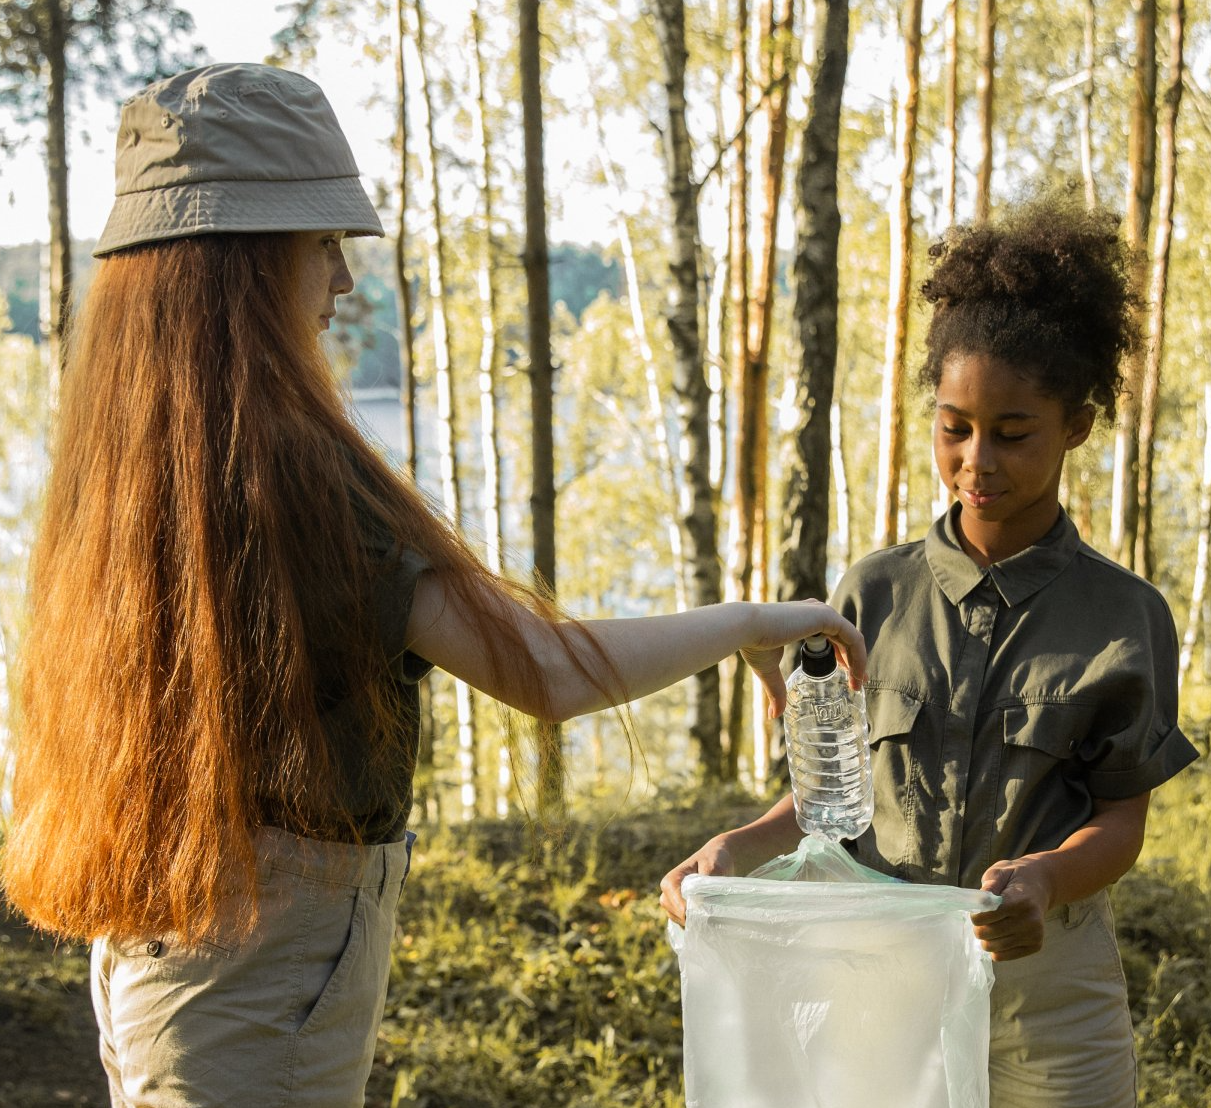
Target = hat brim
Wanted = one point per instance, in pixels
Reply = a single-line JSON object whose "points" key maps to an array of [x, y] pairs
{"points": [[218, 207]]}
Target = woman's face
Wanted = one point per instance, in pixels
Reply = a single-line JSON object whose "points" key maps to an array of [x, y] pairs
{"points": [[1000, 444], [323, 274]]}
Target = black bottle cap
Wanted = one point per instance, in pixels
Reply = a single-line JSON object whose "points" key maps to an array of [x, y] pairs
{"points": [[816, 657]]}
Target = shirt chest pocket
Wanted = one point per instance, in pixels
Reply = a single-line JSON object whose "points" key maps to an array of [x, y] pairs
{"points": [[1055, 730], [893, 716]]}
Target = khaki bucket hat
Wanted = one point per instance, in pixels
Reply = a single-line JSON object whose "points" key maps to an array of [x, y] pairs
{"points": [[232, 147]]}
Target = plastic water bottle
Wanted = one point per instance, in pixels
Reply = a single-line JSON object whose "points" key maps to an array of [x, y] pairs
{"points": [[828, 746]]}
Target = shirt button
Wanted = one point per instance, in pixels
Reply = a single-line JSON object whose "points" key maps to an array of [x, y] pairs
{"points": [[154, 947]]}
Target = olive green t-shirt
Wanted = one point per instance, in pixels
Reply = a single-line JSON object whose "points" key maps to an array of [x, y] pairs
{"points": [[1003, 701], [379, 797]]}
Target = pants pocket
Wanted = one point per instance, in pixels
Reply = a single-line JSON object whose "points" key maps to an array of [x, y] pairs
{"points": [[330, 981]]}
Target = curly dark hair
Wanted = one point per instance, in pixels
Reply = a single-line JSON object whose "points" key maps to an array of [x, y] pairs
{"points": [[1047, 288]]}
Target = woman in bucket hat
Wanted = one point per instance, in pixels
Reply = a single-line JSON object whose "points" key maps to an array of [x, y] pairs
{"points": [[232, 601]]}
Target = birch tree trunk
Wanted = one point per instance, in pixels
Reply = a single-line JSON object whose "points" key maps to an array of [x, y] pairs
{"points": [[986, 30], [689, 380], [891, 415], [804, 553], [403, 281], [1198, 590], [1141, 171], [1159, 284], [552, 800], [489, 366], [54, 38], [489, 356], [447, 425]]}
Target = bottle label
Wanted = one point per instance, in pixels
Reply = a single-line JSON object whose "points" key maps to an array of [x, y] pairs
{"points": [[832, 711]]}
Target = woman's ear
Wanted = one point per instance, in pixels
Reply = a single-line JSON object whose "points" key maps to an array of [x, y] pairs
{"points": [[1080, 424]]}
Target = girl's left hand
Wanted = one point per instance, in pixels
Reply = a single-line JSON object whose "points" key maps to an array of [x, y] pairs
{"points": [[1015, 929]]}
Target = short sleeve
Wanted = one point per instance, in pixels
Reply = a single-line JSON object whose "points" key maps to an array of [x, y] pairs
{"points": [[394, 588], [1136, 743]]}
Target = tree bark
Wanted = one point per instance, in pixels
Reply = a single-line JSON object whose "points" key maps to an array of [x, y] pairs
{"points": [[489, 369], [1141, 173], [743, 507], [777, 58], [54, 45], [1198, 590], [689, 381], [891, 415], [537, 268], [1159, 284], [804, 553], [950, 129], [1089, 56], [552, 799], [403, 282], [986, 29], [446, 401]]}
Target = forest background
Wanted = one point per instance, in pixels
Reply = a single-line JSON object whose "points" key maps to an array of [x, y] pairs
{"points": [[711, 399]]}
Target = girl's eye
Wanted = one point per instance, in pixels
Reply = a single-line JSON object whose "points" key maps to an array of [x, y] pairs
{"points": [[1012, 438], [954, 432]]}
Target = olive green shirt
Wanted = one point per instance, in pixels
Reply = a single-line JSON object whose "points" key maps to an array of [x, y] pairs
{"points": [[1003, 701]]}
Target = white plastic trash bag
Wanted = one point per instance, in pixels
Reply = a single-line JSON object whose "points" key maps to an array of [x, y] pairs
{"points": [[819, 983]]}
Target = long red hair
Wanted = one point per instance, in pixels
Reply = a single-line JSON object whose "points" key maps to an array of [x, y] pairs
{"points": [[206, 550]]}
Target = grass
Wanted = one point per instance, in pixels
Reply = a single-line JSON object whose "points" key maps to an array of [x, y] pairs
{"points": [[532, 973], [546, 978]]}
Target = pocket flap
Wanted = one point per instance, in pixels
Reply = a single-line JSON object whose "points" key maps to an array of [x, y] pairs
{"points": [[1053, 729], [891, 713]]}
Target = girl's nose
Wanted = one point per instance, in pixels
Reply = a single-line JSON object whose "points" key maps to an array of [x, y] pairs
{"points": [[342, 280], [978, 456]]}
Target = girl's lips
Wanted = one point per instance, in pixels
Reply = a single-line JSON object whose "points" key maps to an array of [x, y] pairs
{"points": [[979, 498]]}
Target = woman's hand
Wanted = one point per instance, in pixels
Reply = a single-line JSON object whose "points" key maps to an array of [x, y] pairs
{"points": [[789, 623]]}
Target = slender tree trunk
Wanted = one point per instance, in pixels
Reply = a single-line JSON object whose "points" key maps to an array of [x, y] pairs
{"points": [[743, 507], [1141, 173], [804, 554], [891, 417], [1086, 116], [841, 485], [693, 395], [1159, 284], [542, 374], [403, 282], [54, 45], [489, 362], [1198, 590], [447, 422], [716, 321], [552, 800], [777, 59], [950, 130], [986, 30]]}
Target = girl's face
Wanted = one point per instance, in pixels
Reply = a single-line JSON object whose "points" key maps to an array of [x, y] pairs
{"points": [[323, 274], [1000, 445]]}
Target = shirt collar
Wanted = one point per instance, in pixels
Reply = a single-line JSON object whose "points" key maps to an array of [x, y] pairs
{"points": [[1016, 578]]}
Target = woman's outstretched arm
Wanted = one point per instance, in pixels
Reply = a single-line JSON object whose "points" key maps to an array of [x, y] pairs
{"points": [[646, 654]]}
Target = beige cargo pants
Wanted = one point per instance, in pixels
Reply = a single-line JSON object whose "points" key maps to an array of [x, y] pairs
{"points": [[1061, 1029], [288, 1017]]}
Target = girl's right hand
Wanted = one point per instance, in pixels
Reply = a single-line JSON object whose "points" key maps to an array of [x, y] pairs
{"points": [[714, 859]]}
